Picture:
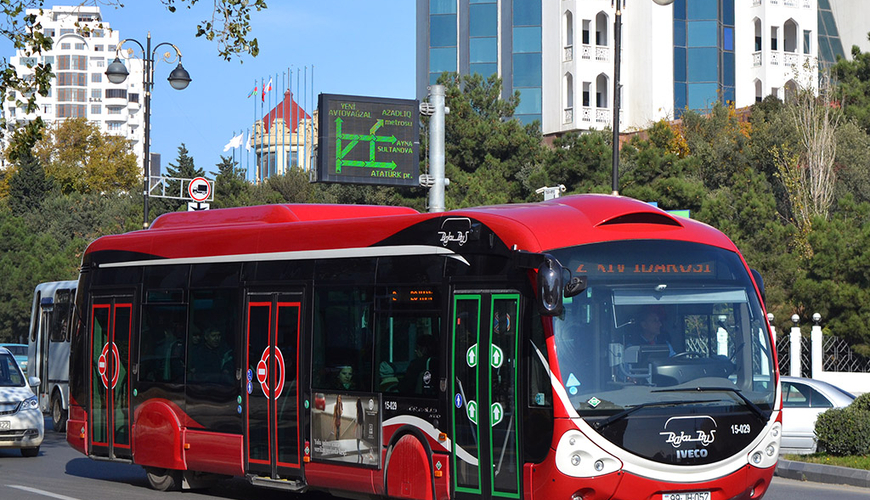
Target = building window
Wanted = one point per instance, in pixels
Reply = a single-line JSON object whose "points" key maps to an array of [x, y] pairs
{"points": [[114, 110], [96, 94], [64, 46], [99, 62], [133, 97], [98, 33], [115, 126], [80, 46], [112, 48], [66, 31], [28, 61], [96, 77], [116, 93], [586, 24], [808, 37], [48, 59], [72, 79], [96, 109], [774, 38], [98, 48], [49, 32], [70, 110]]}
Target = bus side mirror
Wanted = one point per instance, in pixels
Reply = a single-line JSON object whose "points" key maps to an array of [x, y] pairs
{"points": [[550, 286], [759, 282]]}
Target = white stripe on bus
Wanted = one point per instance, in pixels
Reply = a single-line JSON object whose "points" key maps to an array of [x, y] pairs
{"points": [[338, 253]]}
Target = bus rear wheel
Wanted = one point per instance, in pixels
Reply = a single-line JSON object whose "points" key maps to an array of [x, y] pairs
{"points": [[58, 414], [163, 479]]}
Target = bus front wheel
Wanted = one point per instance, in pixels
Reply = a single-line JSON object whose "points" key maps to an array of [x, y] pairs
{"points": [[163, 479], [58, 414]]}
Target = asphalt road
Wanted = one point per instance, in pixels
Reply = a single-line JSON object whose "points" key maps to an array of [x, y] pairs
{"points": [[61, 473]]}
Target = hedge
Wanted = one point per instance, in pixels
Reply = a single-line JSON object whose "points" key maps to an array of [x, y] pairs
{"points": [[845, 431]]}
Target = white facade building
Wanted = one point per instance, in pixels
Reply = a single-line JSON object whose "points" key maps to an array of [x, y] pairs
{"points": [[685, 55], [776, 49], [83, 46]]}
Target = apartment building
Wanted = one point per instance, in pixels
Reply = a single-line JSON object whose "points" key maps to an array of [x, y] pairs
{"points": [[83, 46]]}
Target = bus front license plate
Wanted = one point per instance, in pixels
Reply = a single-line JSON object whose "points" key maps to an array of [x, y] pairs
{"points": [[694, 495]]}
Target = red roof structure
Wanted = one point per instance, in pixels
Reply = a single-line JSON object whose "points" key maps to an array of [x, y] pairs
{"points": [[289, 108]]}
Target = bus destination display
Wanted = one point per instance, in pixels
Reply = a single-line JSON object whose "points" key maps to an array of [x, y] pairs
{"points": [[368, 140]]}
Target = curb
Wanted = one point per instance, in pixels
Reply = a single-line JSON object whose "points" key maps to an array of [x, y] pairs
{"points": [[830, 474]]}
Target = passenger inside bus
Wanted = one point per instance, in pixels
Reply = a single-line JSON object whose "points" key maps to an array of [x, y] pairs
{"points": [[388, 380], [345, 378], [421, 375], [212, 359]]}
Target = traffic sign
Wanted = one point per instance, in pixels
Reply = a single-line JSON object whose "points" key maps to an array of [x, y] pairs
{"points": [[471, 356], [193, 206], [199, 189]]}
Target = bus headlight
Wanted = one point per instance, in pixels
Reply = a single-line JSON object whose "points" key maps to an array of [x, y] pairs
{"points": [[765, 454], [577, 456]]}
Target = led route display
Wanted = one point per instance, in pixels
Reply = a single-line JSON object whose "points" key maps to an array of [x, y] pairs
{"points": [[368, 140]]}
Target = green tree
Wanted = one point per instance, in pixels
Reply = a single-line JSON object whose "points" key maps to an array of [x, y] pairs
{"points": [[580, 162], [231, 188], [28, 185], [853, 86], [486, 150], [81, 158]]}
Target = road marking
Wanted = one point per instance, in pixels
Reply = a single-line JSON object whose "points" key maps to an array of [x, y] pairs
{"points": [[41, 492]]}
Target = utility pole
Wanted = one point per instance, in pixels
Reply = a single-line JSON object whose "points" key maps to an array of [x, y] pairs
{"points": [[435, 181]]}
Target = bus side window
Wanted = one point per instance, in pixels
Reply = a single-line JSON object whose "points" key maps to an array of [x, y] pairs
{"points": [[211, 350], [161, 351], [342, 344]]}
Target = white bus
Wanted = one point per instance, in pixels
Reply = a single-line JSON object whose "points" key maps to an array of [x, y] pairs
{"points": [[48, 346]]}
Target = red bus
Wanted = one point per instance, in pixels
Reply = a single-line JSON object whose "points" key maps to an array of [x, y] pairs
{"points": [[586, 347]]}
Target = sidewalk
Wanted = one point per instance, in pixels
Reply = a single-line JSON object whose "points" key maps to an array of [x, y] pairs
{"points": [[830, 474]]}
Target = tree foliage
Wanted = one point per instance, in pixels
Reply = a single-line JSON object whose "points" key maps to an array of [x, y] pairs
{"points": [[853, 86], [82, 159]]}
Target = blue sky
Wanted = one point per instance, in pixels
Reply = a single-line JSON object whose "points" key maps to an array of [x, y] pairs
{"points": [[354, 47]]}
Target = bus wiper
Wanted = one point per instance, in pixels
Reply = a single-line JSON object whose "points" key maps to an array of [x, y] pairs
{"points": [[748, 402], [628, 411]]}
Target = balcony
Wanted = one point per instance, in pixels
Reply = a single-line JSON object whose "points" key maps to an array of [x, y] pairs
{"points": [[586, 52], [791, 59], [602, 53]]}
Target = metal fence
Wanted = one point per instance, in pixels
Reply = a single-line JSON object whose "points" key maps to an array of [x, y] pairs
{"points": [[783, 353], [839, 357]]}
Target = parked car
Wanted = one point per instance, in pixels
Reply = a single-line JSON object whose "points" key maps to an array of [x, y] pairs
{"points": [[19, 352], [803, 399], [21, 422]]}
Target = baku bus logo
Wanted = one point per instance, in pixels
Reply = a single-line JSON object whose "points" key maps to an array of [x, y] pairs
{"points": [[677, 437]]}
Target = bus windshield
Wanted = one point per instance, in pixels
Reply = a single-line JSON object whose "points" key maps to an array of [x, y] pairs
{"points": [[662, 322]]}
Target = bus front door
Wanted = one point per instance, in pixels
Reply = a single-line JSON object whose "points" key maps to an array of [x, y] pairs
{"points": [[111, 321], [484, 391], [272, 395]]}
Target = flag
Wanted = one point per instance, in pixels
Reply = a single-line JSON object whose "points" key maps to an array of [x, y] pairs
{"points": [[267, 88], [235, 142], [248, 142], [253, 91]]}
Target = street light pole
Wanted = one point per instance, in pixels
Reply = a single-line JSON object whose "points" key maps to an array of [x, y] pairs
{"points": [[617, 56], [179, 79]]}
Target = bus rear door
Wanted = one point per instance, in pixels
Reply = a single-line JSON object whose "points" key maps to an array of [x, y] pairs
{"points": [[484, 391], [272, 395], [111, 321]]}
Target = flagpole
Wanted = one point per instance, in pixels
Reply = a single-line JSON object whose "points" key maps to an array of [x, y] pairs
{"points": [[311, 155], [254, 125], [305, 132]]}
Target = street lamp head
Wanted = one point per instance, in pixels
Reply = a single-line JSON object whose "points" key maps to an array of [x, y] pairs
{"points": [[664, 2], [179, 78], [117, 72]]}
